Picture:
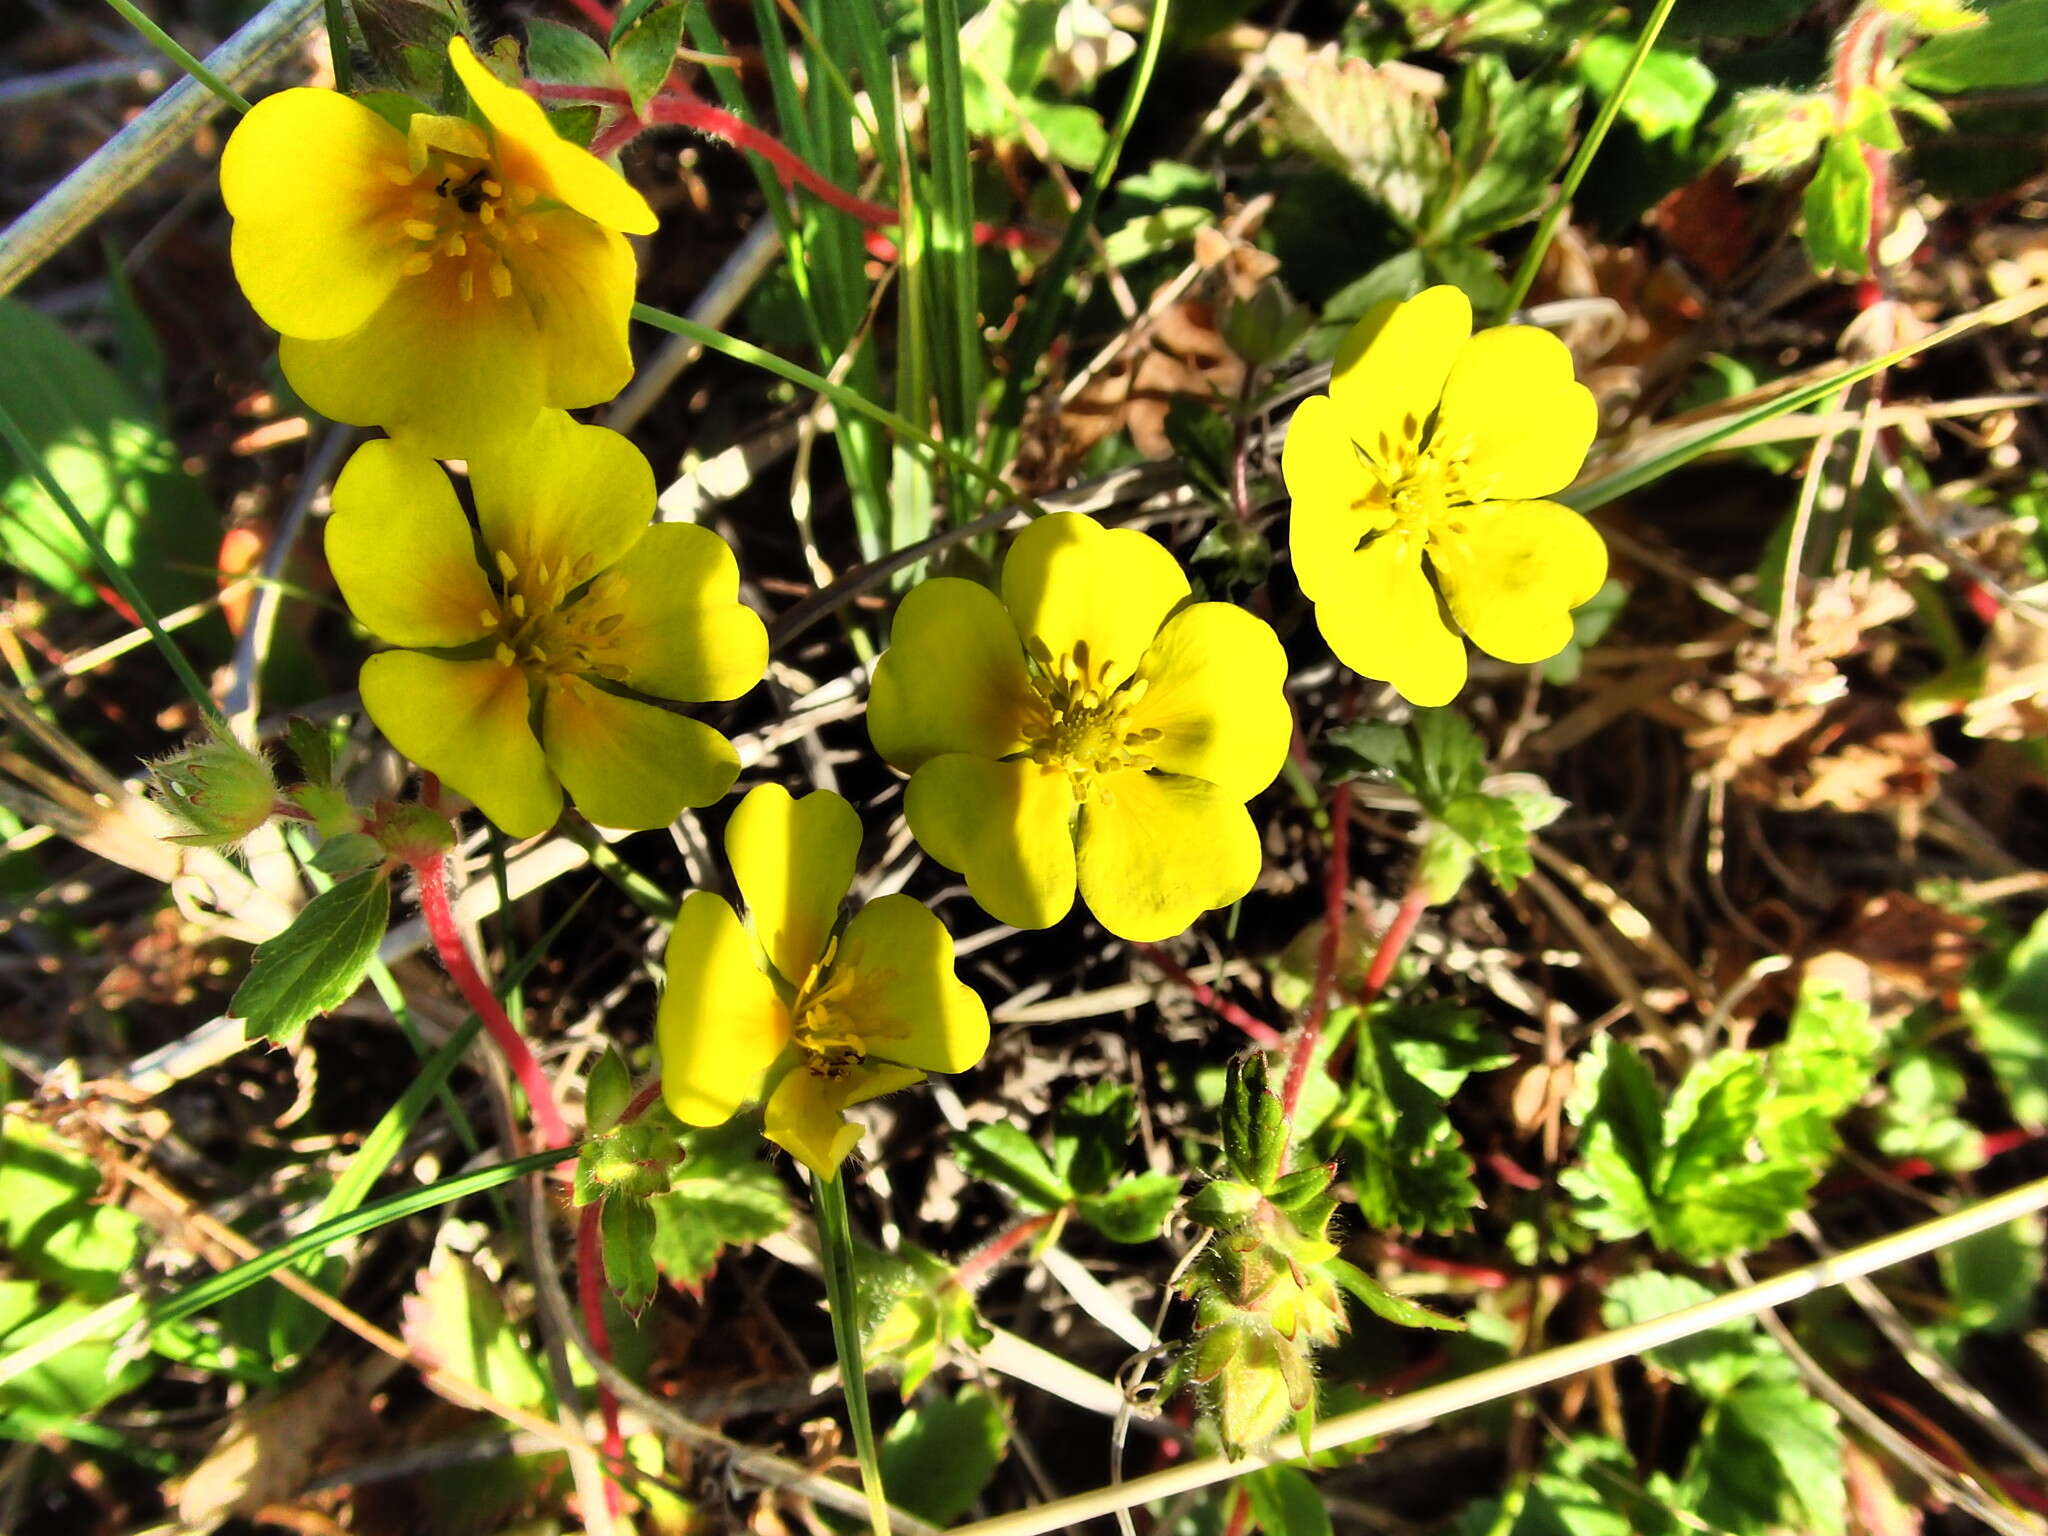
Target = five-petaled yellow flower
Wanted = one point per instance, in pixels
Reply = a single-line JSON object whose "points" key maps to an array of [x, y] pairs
{"points": [[1430, 457], [515, 684], [1090, 724], [804, 1013], [445, 281]]}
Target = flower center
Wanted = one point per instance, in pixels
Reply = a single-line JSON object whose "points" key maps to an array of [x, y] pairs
{"points": [[832, 1023], [1081, 723], [458, 209], [545, 631], [1423, 488]]}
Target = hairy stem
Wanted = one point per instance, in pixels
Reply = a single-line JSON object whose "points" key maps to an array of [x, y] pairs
{"points": [[1336, 883], [1224, 1009], [447, 936], [590, 1283], [975, 1268]]}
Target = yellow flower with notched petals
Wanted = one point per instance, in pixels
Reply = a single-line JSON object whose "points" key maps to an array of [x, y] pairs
{"points": [[513, 686], [444, 282], [1090, 726], [1430, 457], [805, 1013]]}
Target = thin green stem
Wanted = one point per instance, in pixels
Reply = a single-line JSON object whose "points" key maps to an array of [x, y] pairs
{"points": [[635, 886], [842, 398], [337, 45], [835, 1240], [1575, 173], [25, 451], [175, 51]]}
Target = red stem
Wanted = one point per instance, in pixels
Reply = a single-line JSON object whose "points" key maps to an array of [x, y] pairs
{"points": [[590, 1294], [595, 13], [1208, 997], [1240, 1514], [642, 1102], [1336, 884], [682, 109], [976, 1265], [440, 916]]}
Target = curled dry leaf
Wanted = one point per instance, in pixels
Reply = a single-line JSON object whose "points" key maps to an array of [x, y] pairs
{"points": [[267, 1453]]}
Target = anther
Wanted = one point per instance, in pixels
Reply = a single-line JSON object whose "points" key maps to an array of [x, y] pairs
{"points": [[518, 606], [506, 656], [419, 229], [466, 285], [506, 568], [416, 263], [492, 188], [456, 245], [528, 233], [487, 617], [501, 281], [607, 624]]}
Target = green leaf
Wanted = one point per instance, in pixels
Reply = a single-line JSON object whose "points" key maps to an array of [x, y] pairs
{"points": [[562, 55], [1712, 1362], [1670, 91], [913, 1312], [455, 1319], [1509, 142], [1285, 1503], [1837, 206], [1993, 1276], [318, 962], [1769, 1458], [1615, 1105], [2005, 52], [52, 1225], [75, 1381], [1590, 620], [312, 748], [1091, 1133], [626, 1239], [1133, 1211], [1155, 233], [608, 1092], [940, 1455], [348, 854], [2009, 1019], [724, 1195], [1921, 1114], [644, 50], [1254, 1128], [1004, 1154], [106, 451]]}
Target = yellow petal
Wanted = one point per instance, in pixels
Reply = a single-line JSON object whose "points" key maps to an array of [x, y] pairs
{"points": [[562, 501], [629, 764], [794, 863], [530, 151], [683, 632], [448, 375], [402, 552], [1006, 826], [316, 244], [953, 678], [577, 280], [806, 1114], [1158, 850], [1214, 682], [1382, 618], [1391, 367], [1516, 416], [1514, 578], [1068, 580], [720, 1025], [1337, 499], [467, 722], [907, 1005]]}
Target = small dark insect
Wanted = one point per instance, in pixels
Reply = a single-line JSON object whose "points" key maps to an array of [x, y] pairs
{"points": [[469, 195]]}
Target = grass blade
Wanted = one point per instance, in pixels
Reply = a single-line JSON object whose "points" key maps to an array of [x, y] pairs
{"points": [[176, 52]]}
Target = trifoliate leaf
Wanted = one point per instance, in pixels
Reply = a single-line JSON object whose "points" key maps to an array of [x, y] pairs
{"points": [[1134, 1210], [316, 963], [940, 1455], [724, 1195], [1769, 1458], [1004, 1154], [1668, 94], [1837, 207], [1091, 1133]]}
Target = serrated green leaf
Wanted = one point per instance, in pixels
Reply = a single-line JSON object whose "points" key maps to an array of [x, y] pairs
{"points": [[1005, 1154], [1371, 124], [1712, 1362], [318, 962], [1614, 1103], [1388, 1306], [312, 748], [1768, 1458], [455, 1319], [1091, 1134], [348, 854], [1285, 1503], [2009, 1020], [1508, 144], [939, 1456], [1134, 1210], [1993, 1276], [644, 49], [1837, 207], [722, 1196], [2004, 53], [1921, 1114], [76, 1381]]}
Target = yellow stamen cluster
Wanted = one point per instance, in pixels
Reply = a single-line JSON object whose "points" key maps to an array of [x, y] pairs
{"points": [[457, 206], [824, 1018], [1080, 725], [1422, 486], [549, 629]]}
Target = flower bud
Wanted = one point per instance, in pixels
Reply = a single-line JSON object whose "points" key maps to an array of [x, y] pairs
{"points": [[217, 788], [411, 832]]}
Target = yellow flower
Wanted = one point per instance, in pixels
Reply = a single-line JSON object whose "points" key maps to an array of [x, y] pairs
{"points": [[512, 687], [444, 282], [811, 1015], [1437, 443], [1088, 726]]}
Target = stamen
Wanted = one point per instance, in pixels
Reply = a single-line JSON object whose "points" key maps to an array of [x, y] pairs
{"points": [[528, 233], [466, 285], [523, 196], [487, 617], [456, 245], [419, 229], [518, 606], [492, 188], [505, 655], [506, 568], [416, 263], [607, 624], [501, 280]]}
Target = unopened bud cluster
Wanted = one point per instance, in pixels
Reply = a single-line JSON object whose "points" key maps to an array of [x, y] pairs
{"points": [[217, 789]]}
